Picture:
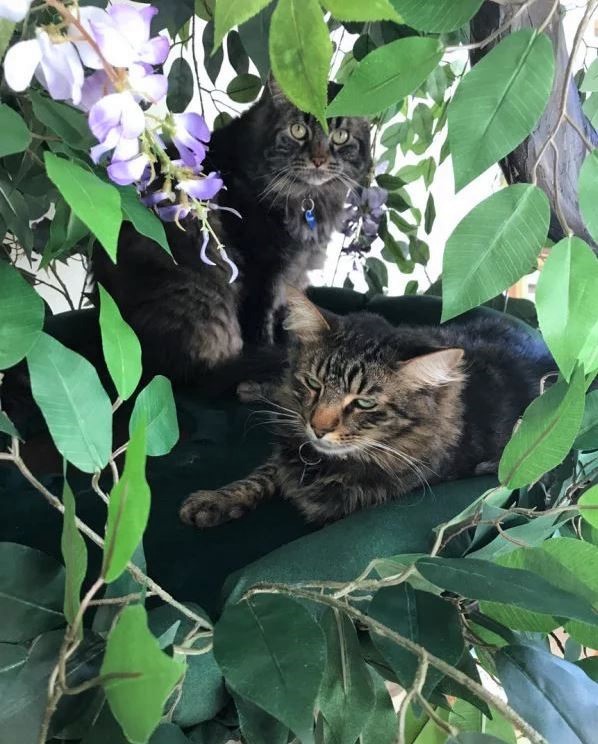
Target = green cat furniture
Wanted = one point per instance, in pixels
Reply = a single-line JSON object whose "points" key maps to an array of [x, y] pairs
{"points": [[219, 443]]}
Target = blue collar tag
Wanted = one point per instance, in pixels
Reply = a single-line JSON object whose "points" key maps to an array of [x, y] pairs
{"points": [[308, 208]]}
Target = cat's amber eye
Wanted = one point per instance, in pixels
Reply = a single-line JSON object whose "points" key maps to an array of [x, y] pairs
{"points": [[365, 403], [312, 383], [339, 136], [298, 131]]}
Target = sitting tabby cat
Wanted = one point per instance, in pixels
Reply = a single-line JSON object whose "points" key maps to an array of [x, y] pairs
{"points": [[368, 412], [277, 164]]}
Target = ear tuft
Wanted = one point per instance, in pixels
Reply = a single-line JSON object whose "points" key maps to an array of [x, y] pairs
{"points": [[437, 368], [304, 319]]}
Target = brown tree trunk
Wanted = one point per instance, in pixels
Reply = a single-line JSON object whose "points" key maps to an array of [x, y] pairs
{"points": [[557, 173]]}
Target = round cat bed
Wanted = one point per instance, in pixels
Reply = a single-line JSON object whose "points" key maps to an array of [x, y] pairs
{"points": [[220, 443]]}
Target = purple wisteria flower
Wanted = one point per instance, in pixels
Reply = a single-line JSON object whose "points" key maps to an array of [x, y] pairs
{"points": [[204, 188], [363, 213], [56, 65], [14, 10], [190, 136]]}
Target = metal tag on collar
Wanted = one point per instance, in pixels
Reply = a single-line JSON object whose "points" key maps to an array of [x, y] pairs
{"points": [[308, 207]]}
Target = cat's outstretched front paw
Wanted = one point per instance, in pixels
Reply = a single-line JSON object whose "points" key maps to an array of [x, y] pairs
{"points": [[208, 509]]}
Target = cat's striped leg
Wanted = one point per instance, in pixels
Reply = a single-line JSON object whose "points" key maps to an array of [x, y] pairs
{"points": [[211, 508]]}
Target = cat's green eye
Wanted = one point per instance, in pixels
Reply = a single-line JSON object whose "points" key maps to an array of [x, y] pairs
{"points": [[312, 382], [339, 136], [365, 403], [298, 131]]}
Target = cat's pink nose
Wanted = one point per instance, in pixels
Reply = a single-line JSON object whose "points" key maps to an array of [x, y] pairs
{"points": [[319, 160]]}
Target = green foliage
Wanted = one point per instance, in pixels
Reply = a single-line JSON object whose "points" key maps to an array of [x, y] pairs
{"points": [[251, 645], [180, 86], [356, 10], [122, 350], [67, 123], [588, 505], [492, 247], [128, 508], [74, 554], [437, 15], [31, 592], [231, 13], [499, 103], [386, 76], [347, 693], [300, 54], [587, 437], [15, 135], [95, 202], [546, 433], [381, 727], [556, 697], [74, 404], [143, 675], [588, 192], [145, 222], [22, 316], [155, 406], [567, 303], [6, 31], [244, 88]]}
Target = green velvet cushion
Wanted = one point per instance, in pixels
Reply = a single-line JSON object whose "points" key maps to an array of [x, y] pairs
{"points": [[219, 443]]}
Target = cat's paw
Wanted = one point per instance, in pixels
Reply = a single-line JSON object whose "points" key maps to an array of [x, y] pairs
{"points": [[249, 391], [208, 509]]}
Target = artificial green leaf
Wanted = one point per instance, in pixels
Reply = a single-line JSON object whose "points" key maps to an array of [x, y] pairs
{"points": [[386, 76], [66, 122], [244, 88], [589, 666], [31, 592], [423, 618], [437, 15], [347, 694], [567, 304], [22, 316], [587, 437], [357, 10], [146, 675], [7, 427], [16, 137], [231, 13], [546, 433], [168, 733], [588, 192], [210, 732], [126, 584], [66, 231], [382, 726], [473, 737], [12, 658], [254, 35], [180, 86], [128, 509], [6, 31], [74, 554], [15, 215], [213, 56], [551, 694], [155, 404], [237, 56], [493, 247], [143, 219], [95, 202], [122, 350], [483, 580], [203, 693], [588, 505], [73, 402], [257, 726], [300, 53], [499, 102], [590, 79], [251, 645], [466, 717]]}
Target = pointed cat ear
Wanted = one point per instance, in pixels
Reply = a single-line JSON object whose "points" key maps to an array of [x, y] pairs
{"points": [[436, 368], [274, 91], [304, 319]]}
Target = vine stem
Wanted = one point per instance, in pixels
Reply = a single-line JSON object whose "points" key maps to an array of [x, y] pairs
{"points": [[134, 570], [422, 654]]}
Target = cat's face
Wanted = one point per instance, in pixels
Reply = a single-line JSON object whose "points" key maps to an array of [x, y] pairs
{"points": [[300, 158], [355, 397]]}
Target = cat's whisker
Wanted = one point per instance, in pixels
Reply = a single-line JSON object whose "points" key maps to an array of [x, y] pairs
{"points": [[417, 466]]}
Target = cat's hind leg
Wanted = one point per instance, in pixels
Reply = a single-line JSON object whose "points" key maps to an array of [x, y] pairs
{"points": [[210, 508]]}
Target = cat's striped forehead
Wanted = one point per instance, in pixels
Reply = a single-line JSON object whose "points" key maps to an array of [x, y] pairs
{"points": [[347, 373]]}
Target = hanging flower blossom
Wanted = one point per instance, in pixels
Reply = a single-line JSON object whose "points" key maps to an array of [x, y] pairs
{"points": [[14, 10], [126, 171], [363, 215], [204, 188], [56, 65], [114, 118], [190, 136]]}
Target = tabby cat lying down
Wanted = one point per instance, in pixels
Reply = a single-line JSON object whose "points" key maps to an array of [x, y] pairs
{"points": [[367, 412]]}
